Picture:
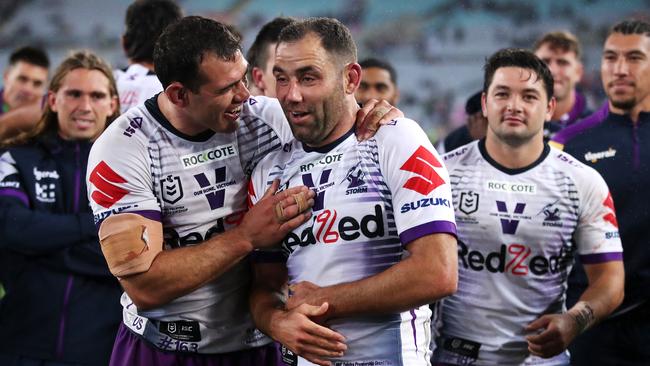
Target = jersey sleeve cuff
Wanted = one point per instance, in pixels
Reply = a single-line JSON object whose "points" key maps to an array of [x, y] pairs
{"points": [[601, 257], [15, 193], [433, 227]]}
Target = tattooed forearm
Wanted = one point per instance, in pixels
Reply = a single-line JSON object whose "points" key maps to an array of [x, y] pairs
{"points": [[583, 315]]}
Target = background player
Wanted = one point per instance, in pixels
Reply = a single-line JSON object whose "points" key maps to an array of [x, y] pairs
{"points": [[145, 20], [523, 211], [381, 245], [261, 55], [614, 146], [61, 299], [378, 81], [25, 80]]}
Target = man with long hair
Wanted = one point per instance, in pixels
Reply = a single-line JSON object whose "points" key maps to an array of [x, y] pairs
{"points": [[60, 302]]}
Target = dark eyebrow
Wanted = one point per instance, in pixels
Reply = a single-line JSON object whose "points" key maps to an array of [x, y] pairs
{"points": [[502, 87], [532, 90], [636, 53]]}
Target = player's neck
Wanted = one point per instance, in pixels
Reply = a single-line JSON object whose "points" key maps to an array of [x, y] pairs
{"points": [[176, 118], [514, 156], [564, 106]]}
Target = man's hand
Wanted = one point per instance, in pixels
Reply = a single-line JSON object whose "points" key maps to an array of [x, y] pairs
{"points": [[373, 115], [269, 221], [296, 331], [559, 331]]}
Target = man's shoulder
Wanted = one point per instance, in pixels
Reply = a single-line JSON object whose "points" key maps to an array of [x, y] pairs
{"points": [[580, 129], [571, 167], [460, 154]]}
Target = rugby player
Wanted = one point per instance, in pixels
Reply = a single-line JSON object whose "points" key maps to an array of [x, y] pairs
{"points": [[524, 210], [261, 55], [378, 81], [145, 20], [171, 204], [613, 144], [381, 242]]}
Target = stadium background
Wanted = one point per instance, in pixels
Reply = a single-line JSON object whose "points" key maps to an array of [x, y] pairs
{"points": [[437, 46]]}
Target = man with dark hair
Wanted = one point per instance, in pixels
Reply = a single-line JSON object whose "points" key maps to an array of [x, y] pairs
{"points": [[378, 81], [562, 53], [171, 206], [474, 128], [22, 94], [614, 145], [524, 210], [261, 54], [381, 246], [145, 20], [60, 307]]}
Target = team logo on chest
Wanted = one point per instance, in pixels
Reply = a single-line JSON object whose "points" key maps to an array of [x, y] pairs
{"points": [[355, 177], [171, 189], [468, 202]]}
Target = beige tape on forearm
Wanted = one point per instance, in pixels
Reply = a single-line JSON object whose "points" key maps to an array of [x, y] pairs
{"points": [[130, 243]]}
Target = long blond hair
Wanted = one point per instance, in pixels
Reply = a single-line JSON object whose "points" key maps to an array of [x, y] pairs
{"points": [[49, 122]]}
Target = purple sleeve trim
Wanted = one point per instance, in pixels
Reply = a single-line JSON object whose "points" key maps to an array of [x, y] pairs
{"points": [[433, 227], [259, 256], [568, 133], [601, 257], [16, 193], [149, 214]]}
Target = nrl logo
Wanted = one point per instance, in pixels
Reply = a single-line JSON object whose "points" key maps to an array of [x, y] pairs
{"points": [[171, 188], [468, 202]]}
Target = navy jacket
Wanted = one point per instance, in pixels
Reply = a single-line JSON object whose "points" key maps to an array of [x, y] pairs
{"points": [[620, 151], [62, 303]]}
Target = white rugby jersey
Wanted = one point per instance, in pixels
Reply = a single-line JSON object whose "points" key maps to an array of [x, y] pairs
{"points": [[196, 186], [373, 198], [135, 84], [518, 231]]}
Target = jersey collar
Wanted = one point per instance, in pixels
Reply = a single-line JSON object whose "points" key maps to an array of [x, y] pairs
{"points": [[329, 147], [509, 171], [152, 106]]}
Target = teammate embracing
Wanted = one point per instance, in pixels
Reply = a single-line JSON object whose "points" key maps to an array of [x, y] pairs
{"points": [[381, 244], [524, 210]]}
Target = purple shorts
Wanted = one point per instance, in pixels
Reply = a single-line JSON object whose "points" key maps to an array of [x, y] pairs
{"points": [[129, 349]]}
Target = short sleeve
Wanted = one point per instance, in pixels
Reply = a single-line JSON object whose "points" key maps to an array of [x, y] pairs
{"points": [[418, 181], [597, 234], [119, 175]]}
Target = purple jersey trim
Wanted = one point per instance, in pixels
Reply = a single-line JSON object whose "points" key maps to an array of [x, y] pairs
{"points": [[16, 193], [568, 133], [130, 349], [433, 227], [267, 257], [149, 214], [601, 257]]}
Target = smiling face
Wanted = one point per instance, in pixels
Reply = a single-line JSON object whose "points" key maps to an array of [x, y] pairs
{"points": [[83, 104], [311, 88], [565, 68], [516, 106], [625, 70], [218, 101]]}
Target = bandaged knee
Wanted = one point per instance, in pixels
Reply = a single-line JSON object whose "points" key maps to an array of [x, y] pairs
{"points": [[130, 242]]}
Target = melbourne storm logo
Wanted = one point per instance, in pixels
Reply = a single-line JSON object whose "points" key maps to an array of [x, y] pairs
{"points": [[356, 177]]}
